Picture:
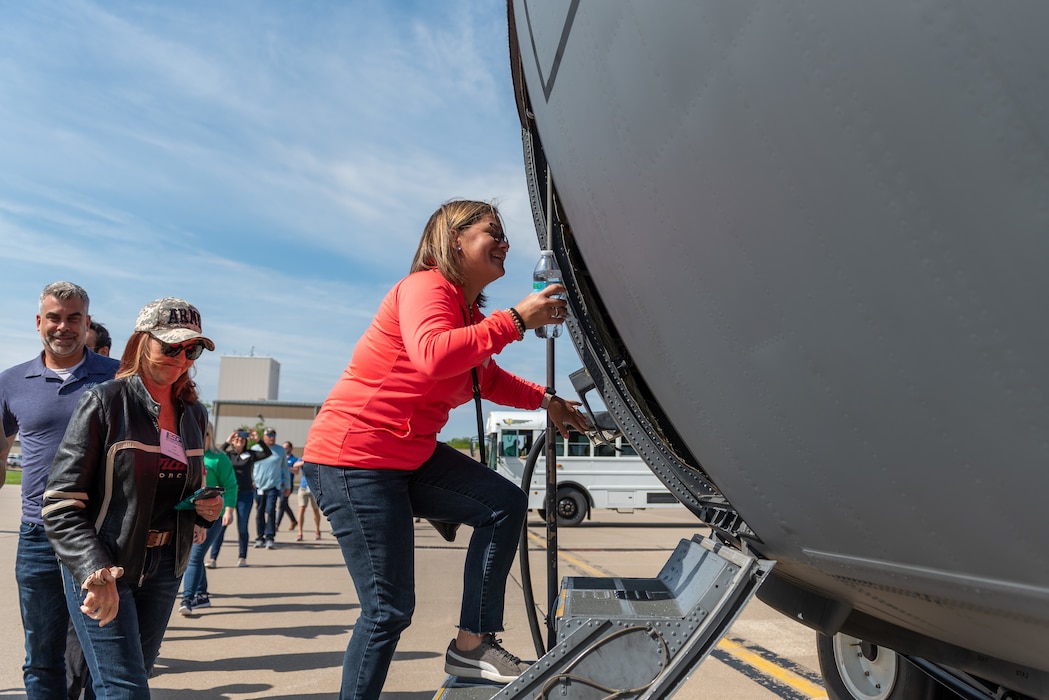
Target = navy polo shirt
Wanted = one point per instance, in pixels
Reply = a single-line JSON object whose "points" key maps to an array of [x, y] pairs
{"points": [[37, 404]]}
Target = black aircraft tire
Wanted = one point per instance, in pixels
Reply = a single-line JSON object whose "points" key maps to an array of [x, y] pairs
{"points": [[853, 670], [571, 506]]}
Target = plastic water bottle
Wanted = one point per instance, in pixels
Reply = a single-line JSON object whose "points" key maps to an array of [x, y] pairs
{"points": [[546, 273]]}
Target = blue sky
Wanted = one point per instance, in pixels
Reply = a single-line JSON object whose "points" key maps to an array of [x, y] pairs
{"points": [[272, 162]]}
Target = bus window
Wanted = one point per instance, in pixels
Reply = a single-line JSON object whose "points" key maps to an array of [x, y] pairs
{"points": [[604, 450], [516, 444], [578, 445], [626, 449], [493, 451]]}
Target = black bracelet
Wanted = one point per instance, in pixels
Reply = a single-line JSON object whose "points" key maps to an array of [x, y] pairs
{"points": [[518, 323]]}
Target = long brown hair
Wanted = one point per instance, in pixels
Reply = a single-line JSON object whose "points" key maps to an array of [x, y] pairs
{"points": [[136, 353], [437, 247]]}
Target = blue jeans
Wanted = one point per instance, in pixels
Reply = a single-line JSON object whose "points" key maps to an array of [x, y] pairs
{"points": [[220, 536], [372, 513], [121, 654], [245, 499], [284, 507], [266, 514], [196, 578], [44, 616]]}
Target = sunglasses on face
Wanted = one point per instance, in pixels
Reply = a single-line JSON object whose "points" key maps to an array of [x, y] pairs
{"points": [[192, 350], [498, 235]]}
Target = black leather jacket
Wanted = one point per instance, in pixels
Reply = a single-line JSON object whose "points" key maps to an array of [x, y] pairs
{"points": [[99, 497]]}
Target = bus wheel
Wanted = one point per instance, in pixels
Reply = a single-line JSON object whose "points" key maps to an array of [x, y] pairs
{"points": [[857, 670], [571, 506]]}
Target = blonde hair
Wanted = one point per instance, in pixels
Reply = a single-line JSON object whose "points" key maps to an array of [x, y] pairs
{"points": [[136, 354], [437, 248]]}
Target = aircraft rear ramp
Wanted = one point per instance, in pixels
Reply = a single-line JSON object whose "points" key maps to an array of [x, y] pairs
{"points": [[636, 637]]}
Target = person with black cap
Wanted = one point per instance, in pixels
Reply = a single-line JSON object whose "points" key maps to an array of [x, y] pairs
{"points": [[119, 508]]}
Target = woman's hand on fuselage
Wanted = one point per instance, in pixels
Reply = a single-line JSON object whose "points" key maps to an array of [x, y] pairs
{"points": [[563, 412]]}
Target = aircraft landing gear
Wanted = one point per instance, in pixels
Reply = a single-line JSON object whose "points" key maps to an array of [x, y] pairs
{"points": [[854, 669]]}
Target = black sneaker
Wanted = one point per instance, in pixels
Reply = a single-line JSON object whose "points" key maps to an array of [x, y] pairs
{"points": [[187, 607], [488, 661], [201, 600]]}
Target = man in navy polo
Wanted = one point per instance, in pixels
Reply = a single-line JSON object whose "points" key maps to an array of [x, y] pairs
{"points": [[37, 399]]}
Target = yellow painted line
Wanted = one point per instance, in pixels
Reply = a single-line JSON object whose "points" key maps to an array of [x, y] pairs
{"points": [[802, 685], [788, 678], [568, 557]]}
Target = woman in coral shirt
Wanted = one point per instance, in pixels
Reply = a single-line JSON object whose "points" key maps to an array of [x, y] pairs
{"points": [[374, 463]]}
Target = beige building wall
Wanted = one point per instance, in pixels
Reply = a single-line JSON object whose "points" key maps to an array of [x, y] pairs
{"points": [[248, 378], [292, 421]]}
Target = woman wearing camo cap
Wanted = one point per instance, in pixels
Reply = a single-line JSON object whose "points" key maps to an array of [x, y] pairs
{"points": [[132, 452]]}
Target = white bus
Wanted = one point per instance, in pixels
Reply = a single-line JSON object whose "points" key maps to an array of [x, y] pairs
{"points": [[589, 475]]}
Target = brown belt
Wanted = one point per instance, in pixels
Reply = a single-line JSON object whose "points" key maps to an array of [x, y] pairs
{"points": [[158, 538]]}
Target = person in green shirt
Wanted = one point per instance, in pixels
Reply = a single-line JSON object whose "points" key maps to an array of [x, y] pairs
{"points": [[219, 473]]}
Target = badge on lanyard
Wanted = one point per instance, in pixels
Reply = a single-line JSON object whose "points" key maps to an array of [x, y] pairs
{"points": [[171, 445]]}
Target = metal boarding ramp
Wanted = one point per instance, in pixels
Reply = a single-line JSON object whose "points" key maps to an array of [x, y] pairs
{"points": [[636, 637]]}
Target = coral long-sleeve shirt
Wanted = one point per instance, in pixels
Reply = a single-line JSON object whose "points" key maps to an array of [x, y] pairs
{"points": [[408, 371]]}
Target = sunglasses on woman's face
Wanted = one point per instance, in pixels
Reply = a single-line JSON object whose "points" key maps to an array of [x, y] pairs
{"points": [[192, 350], [497, 234]]}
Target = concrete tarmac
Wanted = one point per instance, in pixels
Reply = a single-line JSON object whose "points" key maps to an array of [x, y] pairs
{"points": [[278, 628]]}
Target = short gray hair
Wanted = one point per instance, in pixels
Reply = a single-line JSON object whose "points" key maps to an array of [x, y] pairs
{"points": [[63, 291]]}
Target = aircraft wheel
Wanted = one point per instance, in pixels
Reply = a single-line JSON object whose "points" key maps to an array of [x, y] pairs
{"points": [[857, 670], [571, 506]]}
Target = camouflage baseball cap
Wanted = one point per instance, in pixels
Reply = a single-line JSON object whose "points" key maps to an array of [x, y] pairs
{"points": [[172, 321]]}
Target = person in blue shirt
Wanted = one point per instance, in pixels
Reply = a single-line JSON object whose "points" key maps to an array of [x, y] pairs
{"points": [[37, 399], [272, 478], [283, 507], [305, 496]]}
